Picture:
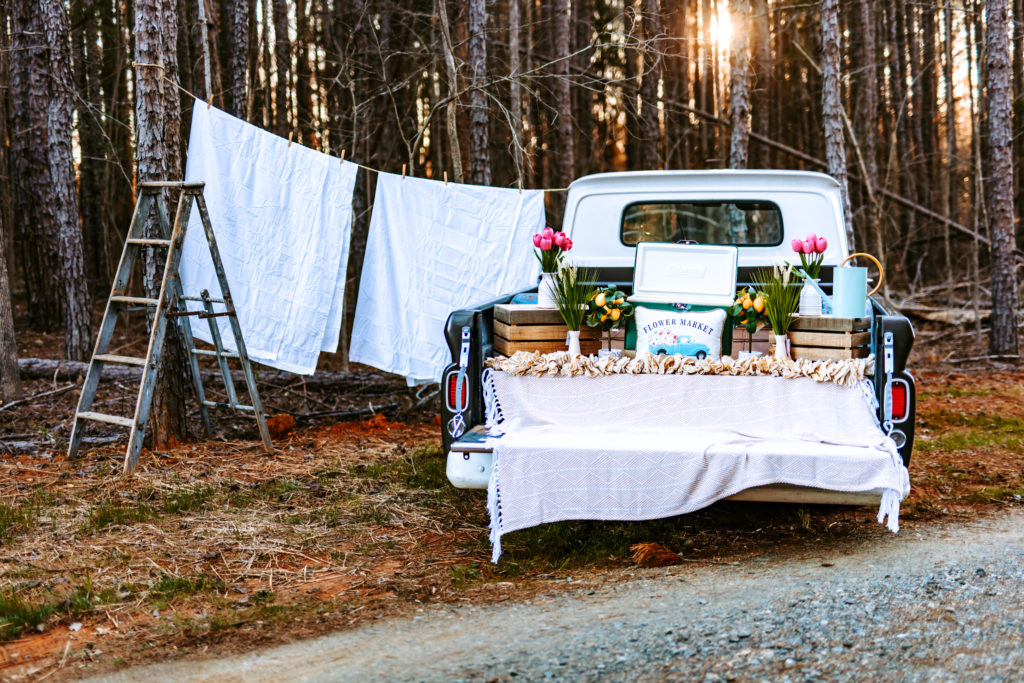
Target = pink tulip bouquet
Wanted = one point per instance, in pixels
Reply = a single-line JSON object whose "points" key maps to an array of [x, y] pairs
{"points": [[812, 251], [550, 247]]}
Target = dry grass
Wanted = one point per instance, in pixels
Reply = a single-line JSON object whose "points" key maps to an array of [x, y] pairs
{"points": [[215, 546]]}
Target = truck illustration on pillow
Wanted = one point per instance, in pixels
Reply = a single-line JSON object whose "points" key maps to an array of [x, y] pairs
{"points": [[668, 343]]}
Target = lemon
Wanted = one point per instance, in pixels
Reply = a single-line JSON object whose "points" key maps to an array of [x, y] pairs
{"points": [[600, 301], [747, 303], [615, 314], [758, 304]]}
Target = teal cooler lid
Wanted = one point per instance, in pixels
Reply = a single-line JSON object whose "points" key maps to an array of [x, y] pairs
{"points": [[695, 277]]}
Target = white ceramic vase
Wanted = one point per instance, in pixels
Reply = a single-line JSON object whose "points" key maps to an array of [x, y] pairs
{"points": [[810, 300], [781, 347], [574, 343], [546, 291]]}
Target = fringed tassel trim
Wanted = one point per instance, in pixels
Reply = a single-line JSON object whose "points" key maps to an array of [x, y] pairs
{"points": [[494, 509], [890, 508], [492, 408]]}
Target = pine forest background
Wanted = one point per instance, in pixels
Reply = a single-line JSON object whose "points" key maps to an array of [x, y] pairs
{"points": [[919, 104]]}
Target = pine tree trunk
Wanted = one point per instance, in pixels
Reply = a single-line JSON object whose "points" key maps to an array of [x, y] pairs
{"points": [[929, 102], [761, 60], [865, 97], [282, 68], [158, 133], [739, 85], [236, 30], [564, 148], [650, 128], [451, 109], [583, 97], [630, 89], [91, 169], [1018, 96], [832, 108], [708, 133], [42, 90], [303, 74], [10, 382], [952, 172], [515, 93], [676, 76], [999, 178], [33, 220], [479, 133]]}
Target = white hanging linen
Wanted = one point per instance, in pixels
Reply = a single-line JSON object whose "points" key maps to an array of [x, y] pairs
{"points": [[282, 215], [434, 248]]}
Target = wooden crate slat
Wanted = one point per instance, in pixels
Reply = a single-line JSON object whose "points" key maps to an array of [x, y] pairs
{"points": [[823, 353], [541, 332], [508, 347], [817, 353], [844, 340], [525, 314], [827, 323]]}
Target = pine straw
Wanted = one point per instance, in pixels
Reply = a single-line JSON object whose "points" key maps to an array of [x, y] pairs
{"points": [[218, 544], [354, 513]]}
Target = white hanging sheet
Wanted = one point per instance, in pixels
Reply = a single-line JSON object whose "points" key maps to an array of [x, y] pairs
{"points": [[638, 447], [282, 216], [434, 248]]}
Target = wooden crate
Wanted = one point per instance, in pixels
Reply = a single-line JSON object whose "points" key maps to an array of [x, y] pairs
{"points": [[524, 327], [740, 340], [828, 338]]}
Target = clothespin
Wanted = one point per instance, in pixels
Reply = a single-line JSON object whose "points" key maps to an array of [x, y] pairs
{"points": [[446, 177], [290, 134], [343, 155], [403, 171]]}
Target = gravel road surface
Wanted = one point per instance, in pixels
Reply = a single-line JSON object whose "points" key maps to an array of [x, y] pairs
{"points": [[941, 603]]}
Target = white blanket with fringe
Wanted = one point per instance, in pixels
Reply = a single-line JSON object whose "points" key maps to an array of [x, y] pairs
{"points": [[640, 447]]}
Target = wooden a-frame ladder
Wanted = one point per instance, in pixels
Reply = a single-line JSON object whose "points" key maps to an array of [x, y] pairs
{"points": [[169, 304]]}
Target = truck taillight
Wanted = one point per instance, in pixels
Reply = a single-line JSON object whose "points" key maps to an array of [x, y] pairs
{"points": [[451, 382], [900, 400]]}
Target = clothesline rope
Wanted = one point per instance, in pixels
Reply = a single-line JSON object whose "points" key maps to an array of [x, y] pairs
{"points": [[362, 166]]}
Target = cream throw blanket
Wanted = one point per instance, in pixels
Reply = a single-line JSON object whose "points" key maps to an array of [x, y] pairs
{"points": [[639, 447]]}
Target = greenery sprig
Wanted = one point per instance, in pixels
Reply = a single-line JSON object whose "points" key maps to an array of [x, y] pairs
{"points": [[781, 294], [573, 287]]}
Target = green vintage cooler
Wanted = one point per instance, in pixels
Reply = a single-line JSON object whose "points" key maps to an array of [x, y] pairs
{"points": [[684, 277]]}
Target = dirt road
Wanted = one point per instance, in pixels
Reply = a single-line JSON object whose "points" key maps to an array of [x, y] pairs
{"points": [[946, 603]]}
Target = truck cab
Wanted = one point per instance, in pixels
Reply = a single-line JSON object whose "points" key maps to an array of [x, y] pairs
{"points": [[608, 214]]}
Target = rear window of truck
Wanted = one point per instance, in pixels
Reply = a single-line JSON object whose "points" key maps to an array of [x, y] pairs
{"points": [[754, 223]]}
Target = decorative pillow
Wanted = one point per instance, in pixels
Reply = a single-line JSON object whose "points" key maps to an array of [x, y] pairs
{"points": [[684, 332]]}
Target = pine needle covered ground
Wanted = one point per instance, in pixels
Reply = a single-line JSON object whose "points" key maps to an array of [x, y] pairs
{"points": [[216, 546]]}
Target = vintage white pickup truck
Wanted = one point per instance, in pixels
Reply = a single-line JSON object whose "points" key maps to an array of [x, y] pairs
{"points": [[608, 214]]}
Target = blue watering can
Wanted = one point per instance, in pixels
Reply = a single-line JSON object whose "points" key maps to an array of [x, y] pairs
{"points": [[849, 289]]}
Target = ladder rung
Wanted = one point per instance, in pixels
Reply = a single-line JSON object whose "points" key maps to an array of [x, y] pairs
{"points": [[199, 298], [109, 419], [135, 300], [120, 360], [221, 404], [153, 242], [222, 354]]}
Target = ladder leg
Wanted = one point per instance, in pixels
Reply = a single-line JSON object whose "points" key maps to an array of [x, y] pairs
{"points": [[193, 362], [156, 339], [110, 313], [236, 330], [218, 346]]}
